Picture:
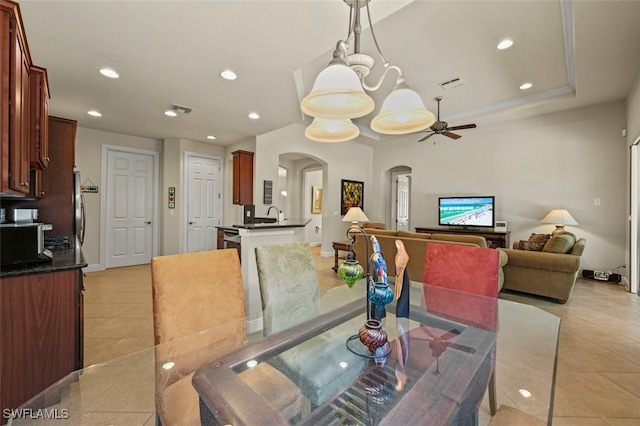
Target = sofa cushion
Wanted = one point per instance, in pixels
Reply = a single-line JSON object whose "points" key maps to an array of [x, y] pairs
{"points": [[376, 231], [560, 243], [374, 225], [536, 242], [477, 240], [578, 247], [409, 234]]}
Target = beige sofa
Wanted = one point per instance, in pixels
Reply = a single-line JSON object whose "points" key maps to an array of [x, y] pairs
{"points": [[416, 245], [551, 272]]}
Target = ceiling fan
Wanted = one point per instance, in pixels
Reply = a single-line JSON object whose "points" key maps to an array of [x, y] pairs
{"points": [[442, 127]]}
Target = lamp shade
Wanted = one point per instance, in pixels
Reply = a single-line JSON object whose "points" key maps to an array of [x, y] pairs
{"points": [[559, 217], [402, 112], [338, 94], [328, 130], [355, 215]]}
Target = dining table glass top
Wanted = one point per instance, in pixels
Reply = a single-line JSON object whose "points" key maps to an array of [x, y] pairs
{"points": [[434, 369]]}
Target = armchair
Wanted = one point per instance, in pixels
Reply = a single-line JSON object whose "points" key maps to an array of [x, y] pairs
{"points": [[551, 272]]}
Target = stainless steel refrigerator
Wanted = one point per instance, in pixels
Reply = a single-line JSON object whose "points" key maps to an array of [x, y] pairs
{"points": [[78, 201]]}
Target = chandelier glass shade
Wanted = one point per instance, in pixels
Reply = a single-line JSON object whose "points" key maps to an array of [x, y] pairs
{"points": [[328, 130], [402, 112], [338, 94], [339, 90]]}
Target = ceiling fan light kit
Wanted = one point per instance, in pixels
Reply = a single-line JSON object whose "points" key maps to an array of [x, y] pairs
{"points": [[442, 127], [339, 91]]}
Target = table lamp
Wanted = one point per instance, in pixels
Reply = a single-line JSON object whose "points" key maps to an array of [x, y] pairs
{"points": [[355, 215], [559, 217]]}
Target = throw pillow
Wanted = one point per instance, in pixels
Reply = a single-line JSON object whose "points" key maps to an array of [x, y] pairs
{"points": [[536, 242], [560, 243]]}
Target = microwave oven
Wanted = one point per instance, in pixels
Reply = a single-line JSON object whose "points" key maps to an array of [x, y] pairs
{"points": [[23, 243]]}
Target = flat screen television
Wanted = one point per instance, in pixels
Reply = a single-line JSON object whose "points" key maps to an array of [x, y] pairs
{"points": [[466, 212]]}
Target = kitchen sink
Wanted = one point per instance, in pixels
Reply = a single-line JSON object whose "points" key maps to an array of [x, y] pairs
{"points": [[259, 220]]}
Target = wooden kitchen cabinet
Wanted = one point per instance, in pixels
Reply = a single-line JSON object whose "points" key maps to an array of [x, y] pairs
{"points": [[242, 177], [56, 203], [41, 333], [39, 114], [19, 101]]}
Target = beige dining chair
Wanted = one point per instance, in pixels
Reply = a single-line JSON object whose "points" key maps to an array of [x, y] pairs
{"points": [[289, 288], [192, 293], [466, 269]]}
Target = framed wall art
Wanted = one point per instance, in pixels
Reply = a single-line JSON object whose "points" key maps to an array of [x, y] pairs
{"points": [[351, 195], [316, 199]]}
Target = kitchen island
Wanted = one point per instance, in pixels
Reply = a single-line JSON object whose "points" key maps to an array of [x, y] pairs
{"points": [[41, 327], [245, 238]]}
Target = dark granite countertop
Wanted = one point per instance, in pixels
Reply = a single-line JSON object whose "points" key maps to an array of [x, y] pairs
{"points": [[288, 223], [63, 259]]}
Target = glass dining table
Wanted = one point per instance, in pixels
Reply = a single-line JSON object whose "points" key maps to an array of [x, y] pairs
{"points": [[442, 348]]}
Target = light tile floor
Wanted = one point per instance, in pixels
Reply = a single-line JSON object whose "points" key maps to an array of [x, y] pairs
{"points": [[598, 377]]}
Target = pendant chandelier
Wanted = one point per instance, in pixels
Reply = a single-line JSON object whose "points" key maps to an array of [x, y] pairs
{"points": [[338, 94]]}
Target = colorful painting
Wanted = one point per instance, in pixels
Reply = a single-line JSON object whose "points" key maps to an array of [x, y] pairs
{"points": [[351, 195], [316, 199]]}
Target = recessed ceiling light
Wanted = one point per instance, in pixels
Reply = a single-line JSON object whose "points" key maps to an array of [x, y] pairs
{"points": [[94, 113], [505, 44], [228, 75], [254, 115], [170, 113], [108, 72], [211, 137], [525, 86]]}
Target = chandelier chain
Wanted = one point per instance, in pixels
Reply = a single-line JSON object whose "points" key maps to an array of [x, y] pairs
{"points": [[373, 35], [350, 30]]}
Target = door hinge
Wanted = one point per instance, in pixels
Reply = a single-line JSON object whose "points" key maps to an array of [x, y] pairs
{"points": [[219, 195]]}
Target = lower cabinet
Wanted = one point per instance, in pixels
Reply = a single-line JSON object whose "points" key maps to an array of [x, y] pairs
{"points": [[41, 333]]}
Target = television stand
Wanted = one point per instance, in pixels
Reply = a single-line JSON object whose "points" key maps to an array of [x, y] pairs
{"points": [[494, 239]]}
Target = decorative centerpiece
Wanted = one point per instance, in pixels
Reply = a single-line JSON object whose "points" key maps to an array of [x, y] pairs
{"points": [[378, 294]]}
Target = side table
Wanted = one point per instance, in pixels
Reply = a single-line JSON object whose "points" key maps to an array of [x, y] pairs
{"points": [[337, 247]]}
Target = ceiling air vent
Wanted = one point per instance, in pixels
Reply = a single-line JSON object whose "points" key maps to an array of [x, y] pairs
{"points": [[180, 109], [450, 84]]}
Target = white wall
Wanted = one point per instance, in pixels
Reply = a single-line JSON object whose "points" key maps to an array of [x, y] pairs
{"points": [[89, 144], [532, 165], [173, 226], [89, 162], [314, 229], [633, 134], [340, 161]]}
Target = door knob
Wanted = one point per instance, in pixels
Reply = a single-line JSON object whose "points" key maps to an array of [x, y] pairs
{"points": [[191, 223], [148, 222]]}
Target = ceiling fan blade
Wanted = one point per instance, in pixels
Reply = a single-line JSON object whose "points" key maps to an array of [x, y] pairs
{"points": [[464, 126], [450, 334], [426, 137], [451, 135]]}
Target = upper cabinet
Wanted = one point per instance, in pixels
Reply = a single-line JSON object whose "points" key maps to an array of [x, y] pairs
{"points": [[24, 96], [39, 88], [242, 177]]}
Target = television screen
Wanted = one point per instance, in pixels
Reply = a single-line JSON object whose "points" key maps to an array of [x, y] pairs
{"points": [[466, 211]]}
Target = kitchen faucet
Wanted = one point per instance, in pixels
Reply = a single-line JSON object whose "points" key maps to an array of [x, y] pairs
{"points": [[277, 211]]}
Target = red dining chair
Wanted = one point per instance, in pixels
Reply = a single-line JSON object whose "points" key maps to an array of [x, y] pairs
{"points": [[465, 269]]}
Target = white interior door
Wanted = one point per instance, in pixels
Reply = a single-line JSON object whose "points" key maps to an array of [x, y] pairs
{"points": [[129, 208], [402, 202], [204, 201], [634, 249]]}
